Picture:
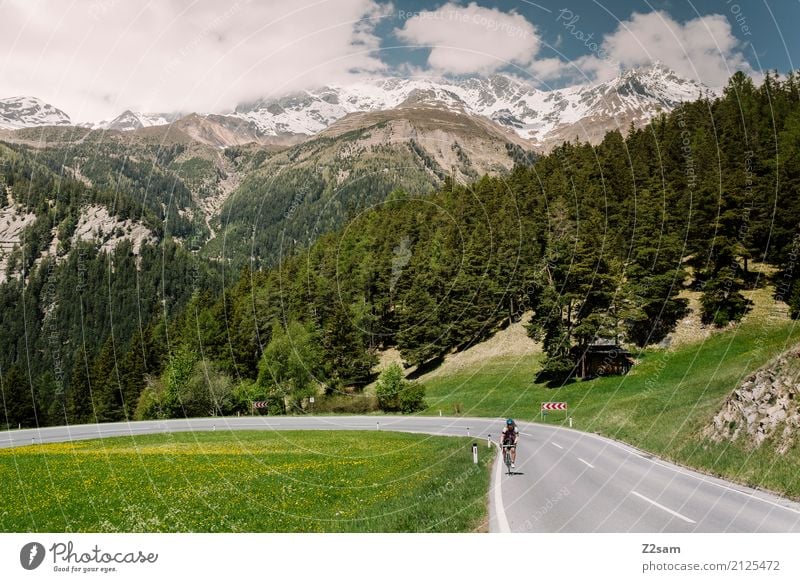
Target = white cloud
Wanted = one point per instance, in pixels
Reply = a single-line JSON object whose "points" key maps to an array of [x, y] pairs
{"points": [[550, 68], [703, 49], [94, 58], [471, 39]]}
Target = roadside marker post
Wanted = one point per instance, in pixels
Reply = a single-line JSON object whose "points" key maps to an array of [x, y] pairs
{"points": [[377, 426], [468, 431], [488, 441], [475, 453]]}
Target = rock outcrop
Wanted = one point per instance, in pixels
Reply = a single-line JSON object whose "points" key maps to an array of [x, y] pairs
{"points": [[764, 407]]}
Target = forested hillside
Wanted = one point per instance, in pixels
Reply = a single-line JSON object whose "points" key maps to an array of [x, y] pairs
{"points": [[83, 312], [292, 197], [597, 241]]}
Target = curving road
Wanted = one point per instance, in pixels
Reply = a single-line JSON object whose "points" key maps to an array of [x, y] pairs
{"points": [[565, 480]]}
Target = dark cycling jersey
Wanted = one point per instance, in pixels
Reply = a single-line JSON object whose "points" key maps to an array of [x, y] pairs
{"points": [[509, 435]]}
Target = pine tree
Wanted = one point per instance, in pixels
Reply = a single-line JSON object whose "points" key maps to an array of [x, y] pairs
{"points": [[21, 409], [80, 409], [107, 393], [132, 370], [654, 276], [348, 361]]}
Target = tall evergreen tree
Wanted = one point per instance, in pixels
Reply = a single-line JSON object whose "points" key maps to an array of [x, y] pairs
{"points": [[80, 408]]}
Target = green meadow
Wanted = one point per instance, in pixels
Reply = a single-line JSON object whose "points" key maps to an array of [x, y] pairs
{"points": [[246, 481]]}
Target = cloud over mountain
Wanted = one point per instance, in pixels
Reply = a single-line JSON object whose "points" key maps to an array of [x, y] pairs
{"points": [[471, 39], [702, 49], [98, 57]]}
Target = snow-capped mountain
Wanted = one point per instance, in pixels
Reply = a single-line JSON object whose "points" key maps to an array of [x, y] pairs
{"points": [[132, 120], [18, 112], [541, 116], [545, 118]]}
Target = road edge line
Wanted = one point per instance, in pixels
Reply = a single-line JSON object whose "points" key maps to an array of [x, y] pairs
{"points": [[499, 508]]}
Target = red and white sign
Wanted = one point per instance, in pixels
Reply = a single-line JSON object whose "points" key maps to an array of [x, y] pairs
{"points": [[554, 406], [259, 404]]}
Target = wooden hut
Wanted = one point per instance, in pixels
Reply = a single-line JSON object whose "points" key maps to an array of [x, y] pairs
{"points": [[603, 360]]}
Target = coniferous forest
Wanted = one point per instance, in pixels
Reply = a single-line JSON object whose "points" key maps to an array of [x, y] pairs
{"points": [[596, 242]]}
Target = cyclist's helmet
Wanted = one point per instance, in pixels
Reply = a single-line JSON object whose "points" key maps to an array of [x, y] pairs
{"points": [[509, 422]]}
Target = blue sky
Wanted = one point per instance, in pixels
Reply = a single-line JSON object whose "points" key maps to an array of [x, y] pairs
{"points": [[766, 30], [96, 58], [707, 40]]}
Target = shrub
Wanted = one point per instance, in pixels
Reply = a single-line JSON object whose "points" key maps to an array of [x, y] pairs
{"points": [[412, 398], [346, 403], [208, 392], [388, 388], [244, 394], [395, 393], [149, 405]]}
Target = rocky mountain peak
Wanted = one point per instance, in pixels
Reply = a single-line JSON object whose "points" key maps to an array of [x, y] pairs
{"points": [[18, 112]]}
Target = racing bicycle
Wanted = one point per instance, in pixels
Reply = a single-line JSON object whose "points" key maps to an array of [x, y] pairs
{"points": [[507, 457]]}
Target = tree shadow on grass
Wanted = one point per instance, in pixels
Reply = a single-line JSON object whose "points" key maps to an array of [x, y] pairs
{"points": [[554, 380], [426, 367]]}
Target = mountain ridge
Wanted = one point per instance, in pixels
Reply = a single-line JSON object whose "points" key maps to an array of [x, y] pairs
{"points": [[23, 111], [542, 117]]}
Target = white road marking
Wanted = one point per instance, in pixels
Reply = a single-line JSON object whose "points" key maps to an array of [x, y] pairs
{"points": [[631, 450], [556, 444], [586, 463], [499, 509], [667, 509]]}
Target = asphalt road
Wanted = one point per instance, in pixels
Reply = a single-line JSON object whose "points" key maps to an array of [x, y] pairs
{"points": [[565, 480]]}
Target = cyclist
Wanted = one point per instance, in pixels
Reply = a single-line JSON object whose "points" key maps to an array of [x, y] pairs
{"points": [[509, 436]]}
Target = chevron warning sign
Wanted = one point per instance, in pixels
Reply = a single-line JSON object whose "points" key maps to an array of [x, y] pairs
{"points": [[259, 404], [553, 406]]}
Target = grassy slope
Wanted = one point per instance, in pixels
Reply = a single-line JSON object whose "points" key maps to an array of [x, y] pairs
{"points": [[661, 406], [245, 482]]}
